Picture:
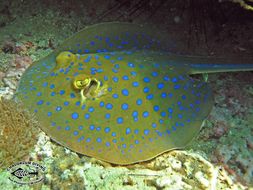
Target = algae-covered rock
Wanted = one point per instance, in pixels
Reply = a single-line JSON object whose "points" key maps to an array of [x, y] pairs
{"points": [[18, 133]]}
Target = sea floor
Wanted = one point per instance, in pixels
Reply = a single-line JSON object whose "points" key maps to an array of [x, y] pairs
{"points": [[221, 157]]}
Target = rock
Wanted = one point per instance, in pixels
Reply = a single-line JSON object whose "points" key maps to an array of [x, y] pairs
{"points": [[6, 92], [9, 82]]}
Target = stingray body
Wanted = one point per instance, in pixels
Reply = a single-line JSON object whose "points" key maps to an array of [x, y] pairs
{"points": [[114, 92]]}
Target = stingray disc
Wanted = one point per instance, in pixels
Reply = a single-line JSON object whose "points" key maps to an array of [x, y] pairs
{"points": [[114, 95]]}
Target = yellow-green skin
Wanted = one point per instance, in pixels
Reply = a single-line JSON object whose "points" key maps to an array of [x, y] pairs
{"points": [[71, 95]]}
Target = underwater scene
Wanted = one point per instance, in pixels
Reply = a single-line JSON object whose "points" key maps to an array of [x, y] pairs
{"points": [[131, 95]]}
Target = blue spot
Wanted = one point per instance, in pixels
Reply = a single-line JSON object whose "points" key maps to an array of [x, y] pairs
{"points": [[107, 129], [74, 115], [130, 64], [135, 84], [150, 96], [88, 140], [136, 131], [91, 109], [125, 77], [154, 74], [66, 103], [145, 114], [139, 102], [58, 108], [81, 139], [39, 94], [119, 120], [160, 85], [166, 78], [163, 114], [145, 89], [62, 92], [176, 86], [52, 86], [136, 142], [115, 79], [128, 131], [146, 131], [99, 140], [105, 78], [180, 116], [116, 66], [75, 133], [183, 97], [80, 127], [67, 128], [52, 93], [40, 102], [87, 59], [109, 106], [49, 114], [115, 96], [170, 110], [170, 95], [78, 103], [72, 95], [164, 95], [109, 89], [174, 79], [114, 70], [107, 144], [197, 102], [87, 116], [125, 92], [179, 103], [146, 79], [133, 73], [124, 106], [124, 145], [107, 116], [101, 104], [113, 134], [92, 127], [161, 121], [156, 108], [44, 84], [154, 125], [135, 114], [107, 56]]}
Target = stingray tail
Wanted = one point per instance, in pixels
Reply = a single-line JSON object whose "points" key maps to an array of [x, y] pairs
{"points": [[215, 68], [200, 65]]}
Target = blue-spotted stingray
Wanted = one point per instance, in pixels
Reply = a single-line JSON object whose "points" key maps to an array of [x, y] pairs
{"points": [[114, 91]]}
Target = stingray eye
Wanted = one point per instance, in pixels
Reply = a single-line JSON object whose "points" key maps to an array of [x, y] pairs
{"points": [[81, 84]]}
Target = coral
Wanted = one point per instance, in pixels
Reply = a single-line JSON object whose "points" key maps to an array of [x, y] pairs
{"points": [[18, 133]]}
